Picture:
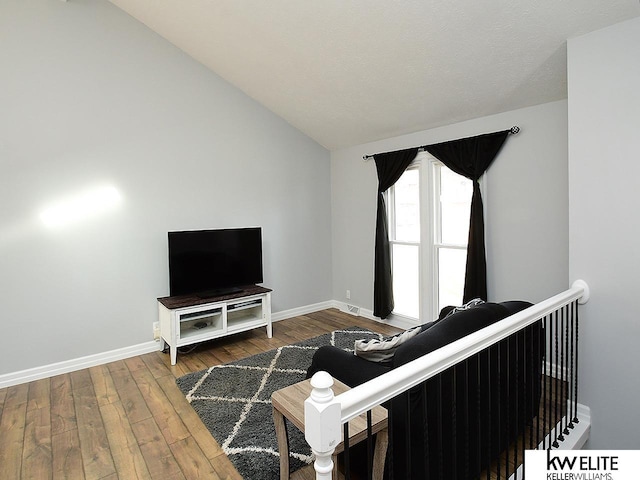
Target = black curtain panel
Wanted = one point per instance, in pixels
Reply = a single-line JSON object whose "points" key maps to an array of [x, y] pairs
{"points": [[390, 167], [470, 157]]}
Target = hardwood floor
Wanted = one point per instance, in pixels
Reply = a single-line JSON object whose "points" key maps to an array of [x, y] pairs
{"points": [[128, 419]]}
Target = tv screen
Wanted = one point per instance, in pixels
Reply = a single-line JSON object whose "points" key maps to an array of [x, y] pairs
{"points": [[214, 262]]}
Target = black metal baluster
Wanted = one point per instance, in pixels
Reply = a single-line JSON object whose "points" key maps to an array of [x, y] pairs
{"points": [[565, 397], [574, 400], [547, 392], [465, 411], [542, 380], [575, 419], [439, 412], [551, 383], [561, 397], [571, 398], [454, 422], [516, 417], [369, 447], [390, 448], [425, 431], [532, 382], [407, 438], [555, 380], [347, 470], [499, 409], [508, 401], [488, 407]]}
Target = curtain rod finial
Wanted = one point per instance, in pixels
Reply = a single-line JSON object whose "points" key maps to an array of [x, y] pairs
{"points": [[515, 129]]}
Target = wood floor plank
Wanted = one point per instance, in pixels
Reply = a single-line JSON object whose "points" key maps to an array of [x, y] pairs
{"points": [[223, 355], [193, 462], [128, 392], [94, 445], [67, 457], [193, 363], [12, 428], [103, 385], [134, 363], [155, 364], [190, 418], [225, 470], [39, 394], [170, 424], [16, 395], [3, 396], [209, 358], [127, 457], [63, 412], [36, 455], [157, 454]]}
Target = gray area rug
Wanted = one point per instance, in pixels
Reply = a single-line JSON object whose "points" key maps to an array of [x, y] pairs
{"points": [[234, 402]]}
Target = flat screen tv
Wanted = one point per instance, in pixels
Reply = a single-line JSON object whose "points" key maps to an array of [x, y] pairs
{"points": [[214, 262]]}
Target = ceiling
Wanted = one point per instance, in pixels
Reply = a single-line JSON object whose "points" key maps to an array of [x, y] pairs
{"points": [[350, 72]]}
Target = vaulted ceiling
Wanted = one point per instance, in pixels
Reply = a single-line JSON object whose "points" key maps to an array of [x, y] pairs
{"points": [[347, 72]]}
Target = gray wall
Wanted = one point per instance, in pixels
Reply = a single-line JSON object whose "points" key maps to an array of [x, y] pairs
{"points": [[604, 146], [526, 204], [89, 95]]}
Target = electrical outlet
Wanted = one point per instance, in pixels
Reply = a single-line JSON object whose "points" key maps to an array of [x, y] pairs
{"points": [[156, 330], [348, 294]]}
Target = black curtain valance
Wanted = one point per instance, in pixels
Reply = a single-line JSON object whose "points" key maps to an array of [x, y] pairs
{"points": [[469, 157]]}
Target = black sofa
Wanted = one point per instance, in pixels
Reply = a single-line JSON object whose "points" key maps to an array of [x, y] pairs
{"points": [[473, 410]]}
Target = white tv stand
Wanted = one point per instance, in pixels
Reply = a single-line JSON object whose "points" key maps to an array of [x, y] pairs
{"points": [[189, 319]]}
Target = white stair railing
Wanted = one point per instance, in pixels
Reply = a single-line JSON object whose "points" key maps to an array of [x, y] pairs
{"points": [[325, 414]]}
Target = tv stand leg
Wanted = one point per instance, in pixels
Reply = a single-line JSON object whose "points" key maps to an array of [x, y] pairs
{"points": [[269, 331], [174, 355]]}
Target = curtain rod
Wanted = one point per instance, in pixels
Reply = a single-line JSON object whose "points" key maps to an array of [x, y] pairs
{"points": [[512, 131]]}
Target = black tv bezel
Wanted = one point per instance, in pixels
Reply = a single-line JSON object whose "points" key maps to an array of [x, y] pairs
{"points": [[214, 288]]}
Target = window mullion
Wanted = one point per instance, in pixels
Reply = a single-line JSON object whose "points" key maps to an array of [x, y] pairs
{"points": [[436, 224], [427, 259]]}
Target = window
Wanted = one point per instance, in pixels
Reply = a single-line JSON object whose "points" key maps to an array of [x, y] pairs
{"points": [[429, 211], [404, 226], [452, 197]]}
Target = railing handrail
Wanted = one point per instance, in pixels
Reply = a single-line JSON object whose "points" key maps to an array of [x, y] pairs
{"points": [[364, 397]]}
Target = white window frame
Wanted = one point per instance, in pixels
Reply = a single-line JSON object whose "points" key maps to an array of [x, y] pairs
{"points": [[430, 234]]}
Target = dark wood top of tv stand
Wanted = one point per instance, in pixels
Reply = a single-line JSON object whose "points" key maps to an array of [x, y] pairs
{"points": [[182, 301]]}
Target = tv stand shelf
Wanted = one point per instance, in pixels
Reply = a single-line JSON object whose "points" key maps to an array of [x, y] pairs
{"points": [[188, 319]]}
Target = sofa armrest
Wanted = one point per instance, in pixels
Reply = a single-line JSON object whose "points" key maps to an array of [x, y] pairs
{"points": [[344, 366]]}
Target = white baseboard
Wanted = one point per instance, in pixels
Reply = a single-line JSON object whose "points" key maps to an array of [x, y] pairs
{"points": [[37, 373], [294, 312]]}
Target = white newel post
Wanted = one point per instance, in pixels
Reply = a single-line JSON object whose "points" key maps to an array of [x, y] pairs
{"points": [[322, 424]]}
